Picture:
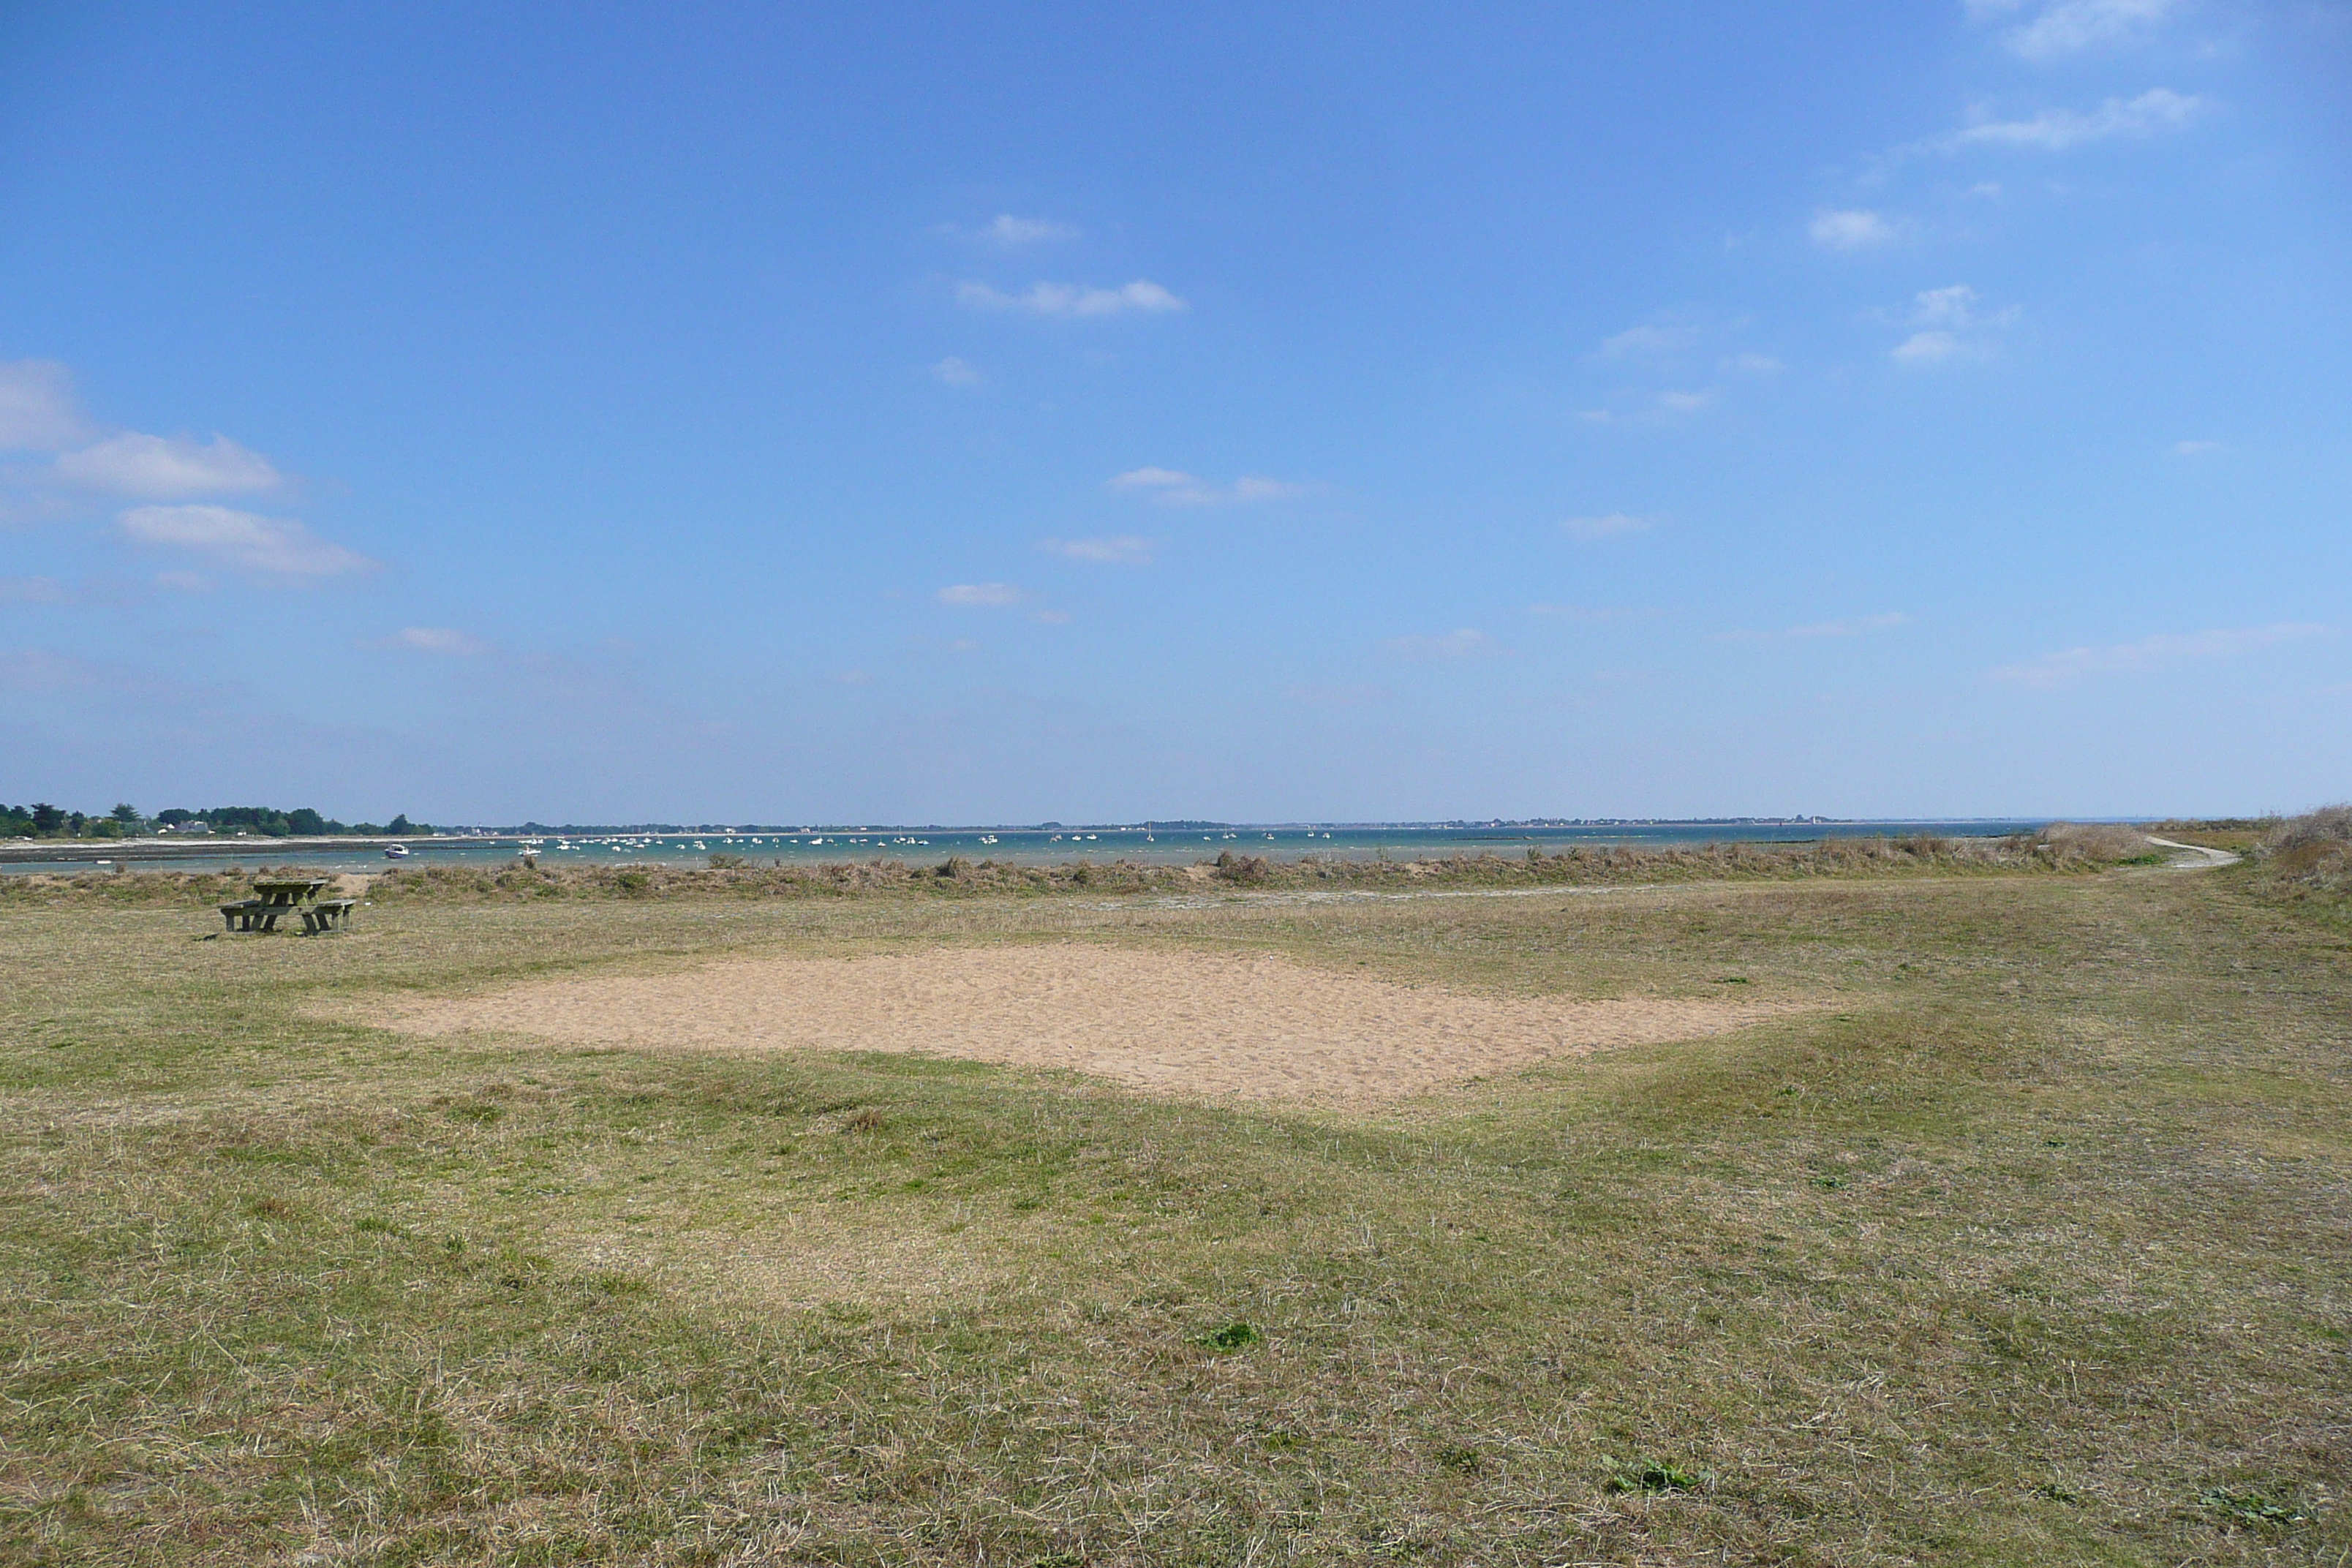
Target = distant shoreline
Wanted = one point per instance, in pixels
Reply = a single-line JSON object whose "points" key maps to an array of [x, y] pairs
{"points": [[205, 846]]}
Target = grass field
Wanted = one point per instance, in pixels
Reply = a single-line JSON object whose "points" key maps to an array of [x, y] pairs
{"points": [[2031, 1245]]}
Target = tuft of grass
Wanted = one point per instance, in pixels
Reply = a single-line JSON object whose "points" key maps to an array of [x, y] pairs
{"points": [[1654, 1476], [1232, 1337], [2258, 1508]]}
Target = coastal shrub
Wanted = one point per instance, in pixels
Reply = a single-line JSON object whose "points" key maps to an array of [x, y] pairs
{"points": [[2306, 861], [2102, 841], [2313, 849]]}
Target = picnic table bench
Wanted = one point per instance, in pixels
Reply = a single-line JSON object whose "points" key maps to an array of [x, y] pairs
{"points": [[279, 898]]}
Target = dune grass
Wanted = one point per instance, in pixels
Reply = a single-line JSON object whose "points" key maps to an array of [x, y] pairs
{"points": [[2033, 1249]]}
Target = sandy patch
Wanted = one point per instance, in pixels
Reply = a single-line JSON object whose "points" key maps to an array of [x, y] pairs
{"points": [[1245, 1027]]}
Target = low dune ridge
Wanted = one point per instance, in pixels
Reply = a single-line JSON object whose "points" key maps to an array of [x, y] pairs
{"points": [[1226, 1025]]}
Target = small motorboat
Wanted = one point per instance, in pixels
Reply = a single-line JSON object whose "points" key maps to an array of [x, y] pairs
{"points": [[395, 852]]}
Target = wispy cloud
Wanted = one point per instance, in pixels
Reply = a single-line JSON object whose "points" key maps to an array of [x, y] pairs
{"points": [[991, 596], [2194, 448], [1609, 525], [1856, 626], [2069, 665], [1596, 612], [274, 546], [1338, 696], [954, 371], [167, 468], [446, 641], [2153, 112], [1117, 550], [31, 590], [1660, 408], [1012, 233], [1754, 364], [1466, 642], [1950, 325], [2074, 27], [1669, 335], [1852, 229], [37, 412], [1073, 299], [1172, 487]]}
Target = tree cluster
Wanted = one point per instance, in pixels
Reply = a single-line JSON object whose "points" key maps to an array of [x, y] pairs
{"points": [[43, 820]]}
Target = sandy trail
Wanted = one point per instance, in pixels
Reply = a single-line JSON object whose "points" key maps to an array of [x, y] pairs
{"points": [[2204, 859], [1212, 1025]]}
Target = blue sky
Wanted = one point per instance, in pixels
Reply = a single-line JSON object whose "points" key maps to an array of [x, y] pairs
{"points": [[956, 414]]}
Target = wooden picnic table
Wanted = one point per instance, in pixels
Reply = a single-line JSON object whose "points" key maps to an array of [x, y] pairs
{"points": [[279, 896]]}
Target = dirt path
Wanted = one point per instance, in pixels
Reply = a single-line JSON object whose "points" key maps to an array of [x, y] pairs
{"points": [[2196, 857]]}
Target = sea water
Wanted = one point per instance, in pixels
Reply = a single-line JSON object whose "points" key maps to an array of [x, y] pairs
{"points": [[1151, 845]]}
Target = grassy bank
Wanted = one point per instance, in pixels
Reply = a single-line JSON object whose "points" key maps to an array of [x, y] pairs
{"points": [[2031, 1246]]}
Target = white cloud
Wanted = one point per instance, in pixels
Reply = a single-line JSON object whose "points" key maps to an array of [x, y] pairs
{"points": [[166, 468], [1950, 326], [37, 412], [184, 581], [1465, 643], [1172, 487], [1686, 402], [2194, 448], [2149, 653], [1011, 232], [1607, 526], [446, 641], [1944, 307], [1150, 479], [1850, 229], [275, 545], [954, 371], [1051, 617], [1073, 299], [1123, 549], [994, 596], [1754, 364], [2072, 26], [1927, 348], [2055, 129]]}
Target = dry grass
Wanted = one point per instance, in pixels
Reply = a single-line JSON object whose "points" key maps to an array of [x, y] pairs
{"points": [[2033, 1249]]}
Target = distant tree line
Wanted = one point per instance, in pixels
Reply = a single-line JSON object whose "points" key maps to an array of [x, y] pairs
{"points": [[44, 820]]}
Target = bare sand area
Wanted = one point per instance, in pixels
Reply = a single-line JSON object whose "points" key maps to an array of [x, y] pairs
{"points": [[1248, 1027]]}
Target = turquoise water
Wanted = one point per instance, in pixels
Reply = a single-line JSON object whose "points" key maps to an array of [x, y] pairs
{"points": [[1158, 846]]}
